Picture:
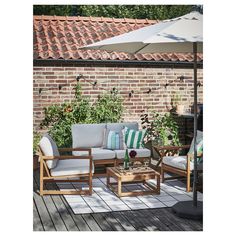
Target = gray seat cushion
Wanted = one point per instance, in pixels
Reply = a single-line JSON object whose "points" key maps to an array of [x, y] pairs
{"points": [[179, 162], [71, 167], [87, 135], [142, 152], [119, 126], [49, 148], [97, 153]]}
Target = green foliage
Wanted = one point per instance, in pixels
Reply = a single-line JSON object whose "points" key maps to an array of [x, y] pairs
{"points": [[160, 12], [108, 108], [36, 139], [163, 129], [59, 118]]}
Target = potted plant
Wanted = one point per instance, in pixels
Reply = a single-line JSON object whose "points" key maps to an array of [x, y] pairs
{"points": [[177, 103], [36, 139]]}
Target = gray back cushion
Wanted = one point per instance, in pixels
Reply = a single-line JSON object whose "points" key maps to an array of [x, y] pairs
{"points": [[119, 126], [49, 148], [87, 135]]}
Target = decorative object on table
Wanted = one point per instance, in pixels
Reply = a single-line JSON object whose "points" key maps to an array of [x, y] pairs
{"points": [[113, 140], [132, 154], [137, 164], [133, 138], [126, 160]]}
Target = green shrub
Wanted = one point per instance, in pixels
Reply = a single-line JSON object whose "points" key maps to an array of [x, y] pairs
{"points": [[59, 118], [163, 129], [36, 139]]}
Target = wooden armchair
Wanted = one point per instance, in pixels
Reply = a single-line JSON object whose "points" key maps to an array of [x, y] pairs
{"points": [[58, 168], [172, 163]]}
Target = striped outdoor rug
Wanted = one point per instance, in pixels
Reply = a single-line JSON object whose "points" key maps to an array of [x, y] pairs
{"points": [[104, 200]]}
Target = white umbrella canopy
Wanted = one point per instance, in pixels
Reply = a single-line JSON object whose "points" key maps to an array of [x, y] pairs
{"points": [[161, 37]]}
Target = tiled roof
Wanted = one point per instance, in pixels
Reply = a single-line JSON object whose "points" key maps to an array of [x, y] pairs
{"points": [[59, 37]]}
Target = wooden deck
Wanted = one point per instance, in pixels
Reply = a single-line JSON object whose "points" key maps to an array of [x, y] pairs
{"points": [[52, 213]]}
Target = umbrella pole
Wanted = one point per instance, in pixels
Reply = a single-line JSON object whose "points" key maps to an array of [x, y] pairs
{"points": [[195, 124], [192, 209]]}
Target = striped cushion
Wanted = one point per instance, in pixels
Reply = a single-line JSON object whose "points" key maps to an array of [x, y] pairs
{"points": [[133, 138], [113, 140]]}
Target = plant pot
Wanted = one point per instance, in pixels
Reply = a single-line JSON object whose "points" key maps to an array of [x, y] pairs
{"points": [[35, 162], [180, 109]]}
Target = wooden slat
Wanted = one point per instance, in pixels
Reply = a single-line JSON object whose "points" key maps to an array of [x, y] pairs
{"points": [[102, 222], [43, 212], [67, 219], [183, 223], [165, 217], [91, 222], [131, 216], [53, 212], [116, 226], [123, 221], [37, 224], [154, 220]]}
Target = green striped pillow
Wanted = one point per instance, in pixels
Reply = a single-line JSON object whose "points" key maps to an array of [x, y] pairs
{"points": [[133, 138]]}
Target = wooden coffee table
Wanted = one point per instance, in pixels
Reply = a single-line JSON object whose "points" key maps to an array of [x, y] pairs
{"points": [[136, 175]]}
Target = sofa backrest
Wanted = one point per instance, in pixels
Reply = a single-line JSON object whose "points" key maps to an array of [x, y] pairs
{"points": [[87, 135], [91, 135], [120, 126]]}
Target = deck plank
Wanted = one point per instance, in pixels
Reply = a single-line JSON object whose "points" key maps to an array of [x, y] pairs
{"points": [[66, 221], [185, 224], [131, 216], [43, 212], [116, 226], [102, 222], [37, 224], [123, 221], [91, 222], [155, 220], [55, 216], [168, 219]]}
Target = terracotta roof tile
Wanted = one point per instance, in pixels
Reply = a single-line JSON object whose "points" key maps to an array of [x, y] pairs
{"points": [[59, 37]]}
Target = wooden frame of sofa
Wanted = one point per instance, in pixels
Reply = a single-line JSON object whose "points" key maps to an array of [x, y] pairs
{"points": [[166, 168], [48, 178]]}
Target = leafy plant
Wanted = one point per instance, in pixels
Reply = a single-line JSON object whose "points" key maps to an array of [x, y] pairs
{"points": [[162, 130], [59, 118], [108, 108], [36, 139]]}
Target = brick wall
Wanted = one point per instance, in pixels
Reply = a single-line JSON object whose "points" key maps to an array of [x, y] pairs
{"points": [[47, 79]]}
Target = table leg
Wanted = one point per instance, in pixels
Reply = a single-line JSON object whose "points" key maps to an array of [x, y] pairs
{"points": [[119, 187], [108, 178], [158, 183]]}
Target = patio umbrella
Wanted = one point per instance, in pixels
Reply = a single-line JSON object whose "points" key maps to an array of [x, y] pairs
{"points": [[179, 35]]}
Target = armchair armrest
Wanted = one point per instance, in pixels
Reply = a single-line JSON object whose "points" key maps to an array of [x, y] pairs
{"points": [[170, 148]]}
